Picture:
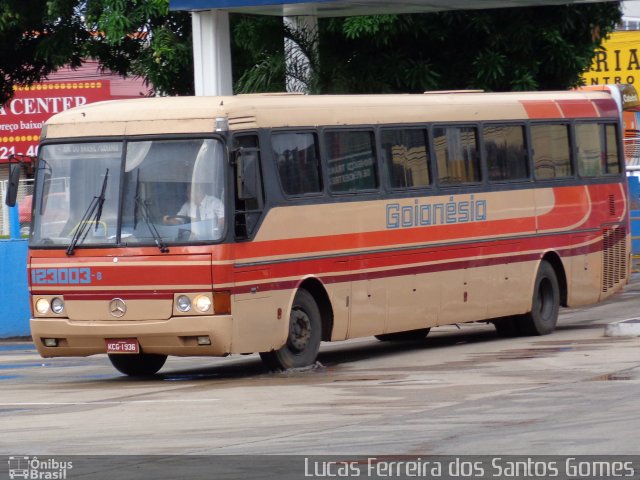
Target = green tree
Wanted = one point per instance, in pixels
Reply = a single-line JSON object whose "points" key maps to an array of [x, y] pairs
{"points": [[257, 53], [142, 38], [496, 50], [37, 37], [132, 38]]}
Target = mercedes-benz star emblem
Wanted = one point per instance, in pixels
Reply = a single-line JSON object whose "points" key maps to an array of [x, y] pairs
{"points": [[117, 307]]}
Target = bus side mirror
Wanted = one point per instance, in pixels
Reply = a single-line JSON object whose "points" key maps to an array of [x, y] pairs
{"points": [[247, 174], [12, 187]]}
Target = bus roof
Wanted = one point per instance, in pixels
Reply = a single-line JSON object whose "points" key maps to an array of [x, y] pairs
{"points": [[175, 115]]}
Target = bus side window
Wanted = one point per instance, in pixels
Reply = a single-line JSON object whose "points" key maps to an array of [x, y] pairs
{"points": [[551, 151], [248, 210], [406, 156], [298, 162], [612, 162], [351, 159], [506, 152], [457, 157], [589, 149]]}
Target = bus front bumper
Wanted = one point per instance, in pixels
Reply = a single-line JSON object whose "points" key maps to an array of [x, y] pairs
{"points": [[175, 336]]}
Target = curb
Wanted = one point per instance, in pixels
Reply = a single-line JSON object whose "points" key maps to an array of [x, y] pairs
{"points": [[623, 328]]}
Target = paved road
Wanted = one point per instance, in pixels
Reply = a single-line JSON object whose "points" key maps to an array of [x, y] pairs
{"points": [[461, 391]]}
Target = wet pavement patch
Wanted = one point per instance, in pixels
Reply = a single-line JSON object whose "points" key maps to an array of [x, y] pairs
{"points": [[525, 353], [99, 376], [187, 376], [17, 347], [587, 341], [15, 366], [615, 376]]}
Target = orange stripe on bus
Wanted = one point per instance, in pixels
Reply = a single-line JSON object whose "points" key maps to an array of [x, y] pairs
{"points": [[578, 108], [607, 108], [571, 209], [385, 238], [541, 109]]}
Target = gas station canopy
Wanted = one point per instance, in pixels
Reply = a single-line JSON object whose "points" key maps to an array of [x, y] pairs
{"points": [[343, 8], [210, 20]]}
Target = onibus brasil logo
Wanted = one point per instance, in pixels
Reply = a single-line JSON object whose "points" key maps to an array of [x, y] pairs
{"points": [[35, 469]]}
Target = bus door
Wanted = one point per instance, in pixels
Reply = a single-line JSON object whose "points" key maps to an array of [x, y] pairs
{"points": [[253, 300]]}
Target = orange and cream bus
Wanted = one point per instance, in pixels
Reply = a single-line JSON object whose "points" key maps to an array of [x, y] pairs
{"points": [[269, 223]]}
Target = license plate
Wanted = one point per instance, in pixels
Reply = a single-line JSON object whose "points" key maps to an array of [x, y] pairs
{"points": [[122, 345]]}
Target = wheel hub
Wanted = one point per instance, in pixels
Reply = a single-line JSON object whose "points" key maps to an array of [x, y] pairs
{"points": [[299, 330]]}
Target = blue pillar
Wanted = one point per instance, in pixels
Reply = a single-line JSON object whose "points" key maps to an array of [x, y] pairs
{"points": [[634, 207], [14, 294], [14, 223]]}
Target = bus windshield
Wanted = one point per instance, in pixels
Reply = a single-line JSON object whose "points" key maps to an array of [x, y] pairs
{"points": [[129, 193]]}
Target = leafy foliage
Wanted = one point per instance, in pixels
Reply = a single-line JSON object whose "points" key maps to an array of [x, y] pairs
{"points": [[495, 50], [143, 38], [130, 37], [257, 52], [37, 37]]}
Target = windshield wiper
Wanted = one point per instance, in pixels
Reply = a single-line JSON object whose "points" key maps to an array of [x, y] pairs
{"points": [[152, 228], [95, 206]]}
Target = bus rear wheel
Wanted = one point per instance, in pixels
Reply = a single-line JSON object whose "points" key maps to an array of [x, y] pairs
{"points": [[139, 365], [305, 335], [543, 317], [408, 336]]}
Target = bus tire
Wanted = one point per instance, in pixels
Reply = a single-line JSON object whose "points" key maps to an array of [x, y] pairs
{"points": [[543, 317], [139, 365], [305, 335], [408, 336]]}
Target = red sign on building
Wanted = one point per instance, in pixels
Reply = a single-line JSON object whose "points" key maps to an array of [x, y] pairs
{"points": [[21, 119]]}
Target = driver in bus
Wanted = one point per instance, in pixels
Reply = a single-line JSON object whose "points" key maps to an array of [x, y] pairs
{"points": [[199, 206]]}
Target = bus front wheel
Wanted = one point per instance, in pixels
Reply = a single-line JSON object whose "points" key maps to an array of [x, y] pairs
{"points": [[543, 317], [305, 334], [139, 365]]}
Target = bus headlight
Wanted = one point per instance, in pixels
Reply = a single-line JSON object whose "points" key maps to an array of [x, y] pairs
{"points": [[57, 305], [202, 303], [183, 303], [42, 306]]}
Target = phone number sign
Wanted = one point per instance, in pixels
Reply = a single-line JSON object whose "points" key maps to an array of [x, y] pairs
{"points": [[22, 118]]}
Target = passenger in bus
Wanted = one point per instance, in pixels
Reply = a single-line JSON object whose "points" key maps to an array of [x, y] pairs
{"points": [[199, 206]]}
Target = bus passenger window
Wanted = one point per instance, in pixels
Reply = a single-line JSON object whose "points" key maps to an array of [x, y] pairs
{"points": [[406, 156], [506, 152], [589, 148], [352, 161], [612, 164], [297, 161], [457, 158], [551, 151]]}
